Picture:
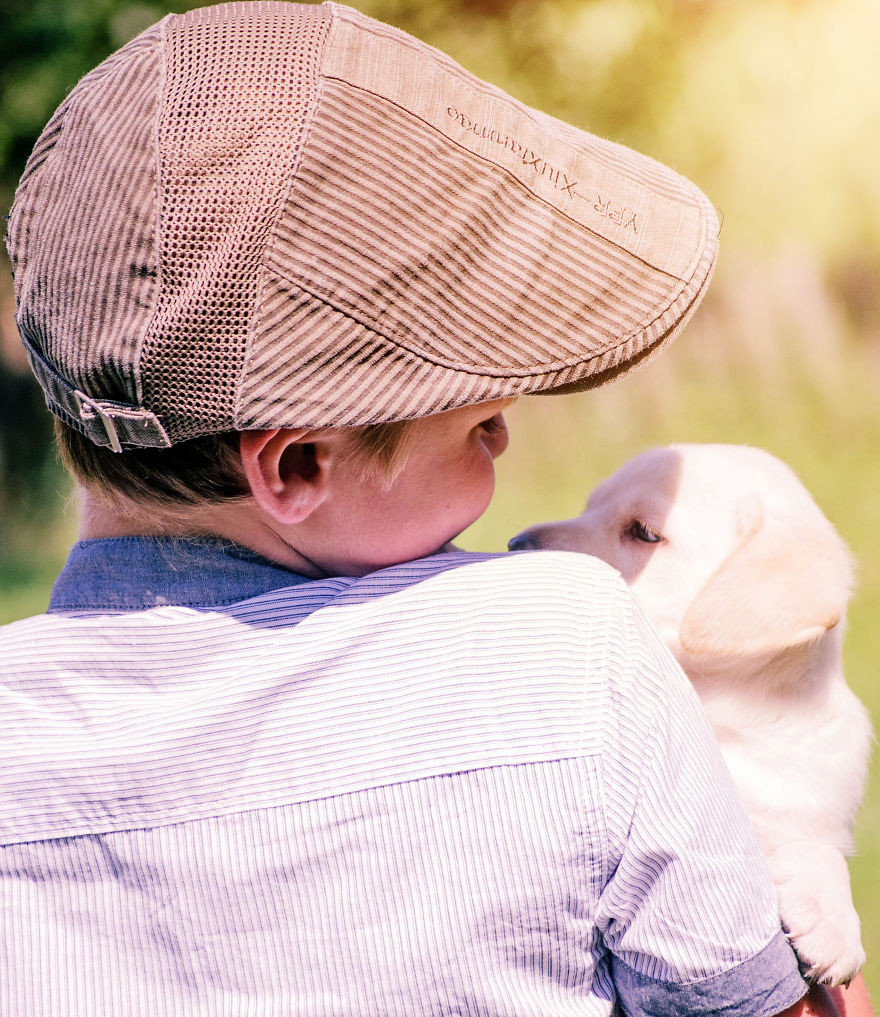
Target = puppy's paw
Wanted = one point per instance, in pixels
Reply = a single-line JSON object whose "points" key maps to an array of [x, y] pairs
{"points": [[815, 904], [830, 951]]}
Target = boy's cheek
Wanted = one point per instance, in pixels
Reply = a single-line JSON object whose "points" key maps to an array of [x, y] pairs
{"points": [[386, 532], [445, 484]]}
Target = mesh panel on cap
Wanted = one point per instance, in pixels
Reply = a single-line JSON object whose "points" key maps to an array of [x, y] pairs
{"points": [[235, 107]]}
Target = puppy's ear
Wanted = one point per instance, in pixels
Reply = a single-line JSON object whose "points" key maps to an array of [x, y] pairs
{"points": [[784, 585]]}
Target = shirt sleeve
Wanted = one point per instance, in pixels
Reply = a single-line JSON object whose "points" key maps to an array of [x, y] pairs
{"points": [[688, 911]]}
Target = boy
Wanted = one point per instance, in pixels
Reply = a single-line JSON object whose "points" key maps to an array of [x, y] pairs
{"points": [[279, 270]]}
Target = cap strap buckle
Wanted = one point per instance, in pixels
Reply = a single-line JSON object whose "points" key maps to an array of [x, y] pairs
{"points": [[82, 400]]}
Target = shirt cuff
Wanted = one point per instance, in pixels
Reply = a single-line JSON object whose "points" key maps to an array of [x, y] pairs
{"points": [[763, 985]]}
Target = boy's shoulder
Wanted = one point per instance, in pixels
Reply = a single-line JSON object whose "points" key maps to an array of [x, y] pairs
{"points": [[562, 574], [569, 595]]}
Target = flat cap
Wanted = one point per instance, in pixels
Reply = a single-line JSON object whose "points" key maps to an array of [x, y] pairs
{"points": [[268, 214]]}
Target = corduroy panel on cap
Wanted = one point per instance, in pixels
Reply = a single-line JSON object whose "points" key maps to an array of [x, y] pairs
{"points": [[85, 260], [345, 369], [235, 110], [454, 263], [364, 378], [636, 204]]}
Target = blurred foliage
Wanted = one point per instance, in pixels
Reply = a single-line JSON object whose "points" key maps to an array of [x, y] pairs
{"points": [[46, 46], [772, 106]]}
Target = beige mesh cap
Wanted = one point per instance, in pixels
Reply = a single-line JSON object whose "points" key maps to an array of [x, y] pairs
{"points": [[259, 215]]}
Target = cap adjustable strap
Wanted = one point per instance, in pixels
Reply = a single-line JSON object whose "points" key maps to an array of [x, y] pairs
{"points": [[105, 422], [87, 406]]}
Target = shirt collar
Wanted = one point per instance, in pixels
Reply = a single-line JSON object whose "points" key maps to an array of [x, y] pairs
{"points": [[137, 573]]}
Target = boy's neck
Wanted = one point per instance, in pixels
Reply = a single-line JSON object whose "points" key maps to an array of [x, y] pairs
{"points": [[239, 524]]}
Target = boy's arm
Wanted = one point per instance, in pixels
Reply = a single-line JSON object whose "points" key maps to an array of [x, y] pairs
{"points": [[837, 1002], [688, 913]]}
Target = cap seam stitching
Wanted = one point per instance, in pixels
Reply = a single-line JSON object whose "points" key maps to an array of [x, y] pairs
{"points": [[473, 371], [701, 202], [271, 234], [158, 191], [448, 63]]}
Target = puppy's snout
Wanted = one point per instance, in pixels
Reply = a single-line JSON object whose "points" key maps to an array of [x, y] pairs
{"points": [[536, 538], [565, 535], [521, 542]]}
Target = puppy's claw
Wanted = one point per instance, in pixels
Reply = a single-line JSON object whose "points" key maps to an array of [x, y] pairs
{"points": [[821, 975], [815, 903], [829, 954]]}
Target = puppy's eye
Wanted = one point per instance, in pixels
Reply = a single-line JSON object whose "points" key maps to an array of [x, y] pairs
{"points": [[638, 531]]}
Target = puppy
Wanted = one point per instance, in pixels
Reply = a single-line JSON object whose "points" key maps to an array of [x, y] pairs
{"points": [[748, 583]]}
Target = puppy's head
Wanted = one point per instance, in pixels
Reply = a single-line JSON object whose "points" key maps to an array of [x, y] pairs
{"points": [[726, 550]]}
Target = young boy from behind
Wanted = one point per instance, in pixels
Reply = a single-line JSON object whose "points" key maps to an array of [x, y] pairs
{"points": [[279, 269]]}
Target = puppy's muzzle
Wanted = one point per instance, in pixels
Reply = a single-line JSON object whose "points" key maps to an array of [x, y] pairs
{"points": [[525, 541]]}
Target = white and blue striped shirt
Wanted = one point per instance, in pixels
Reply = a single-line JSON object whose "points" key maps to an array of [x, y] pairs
{"points": [[470, 785]]}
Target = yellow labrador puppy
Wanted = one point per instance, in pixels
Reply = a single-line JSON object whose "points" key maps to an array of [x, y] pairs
{"points": [[748, 583]]}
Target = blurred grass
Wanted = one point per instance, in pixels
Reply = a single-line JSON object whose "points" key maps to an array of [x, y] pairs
{"points": [[33, 553]]}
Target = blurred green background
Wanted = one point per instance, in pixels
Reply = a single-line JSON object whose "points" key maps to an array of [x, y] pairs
{"points": [[772, 106]]}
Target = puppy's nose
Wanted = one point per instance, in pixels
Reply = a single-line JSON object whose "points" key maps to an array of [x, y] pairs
{"points": [[521, 542]]}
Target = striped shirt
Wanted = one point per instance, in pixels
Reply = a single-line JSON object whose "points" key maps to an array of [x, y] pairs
{"points": [[467, 785]]}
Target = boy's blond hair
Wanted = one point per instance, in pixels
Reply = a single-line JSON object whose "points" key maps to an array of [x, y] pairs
{"points": [[207, 470]]}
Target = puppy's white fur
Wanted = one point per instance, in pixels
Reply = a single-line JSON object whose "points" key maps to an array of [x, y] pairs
{"points": [[748, 583]]}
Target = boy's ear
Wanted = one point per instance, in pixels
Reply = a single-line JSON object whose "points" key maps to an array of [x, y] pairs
{"points": [[286, 470]]}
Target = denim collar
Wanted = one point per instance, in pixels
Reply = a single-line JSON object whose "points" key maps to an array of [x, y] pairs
{"points": [[136, 573]]}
